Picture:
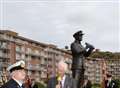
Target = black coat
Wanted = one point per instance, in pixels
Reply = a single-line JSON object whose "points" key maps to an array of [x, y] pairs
{"points": [[69, 82], [88, 85], [11, 84], [112, 84]]}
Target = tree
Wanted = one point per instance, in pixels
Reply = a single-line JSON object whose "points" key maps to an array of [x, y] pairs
{"points": [[117, 82], [105, 55]]}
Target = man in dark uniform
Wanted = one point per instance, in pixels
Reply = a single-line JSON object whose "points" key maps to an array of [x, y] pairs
{"points": [[109, 83], [87, 83], [17, 72], [79, 53]]}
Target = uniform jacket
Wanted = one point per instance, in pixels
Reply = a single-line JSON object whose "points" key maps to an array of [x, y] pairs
{"points": [[11, 84], [88, 85], [112, 84]]}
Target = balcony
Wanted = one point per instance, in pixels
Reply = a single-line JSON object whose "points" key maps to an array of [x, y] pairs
{"points": [[34, 54], [18, 49], [4, 64], [2, 55], [3, 37], [42, 54], [44, 62], [69, 61], [3, 46], [33, 67], [43, 75], [20, 56]]}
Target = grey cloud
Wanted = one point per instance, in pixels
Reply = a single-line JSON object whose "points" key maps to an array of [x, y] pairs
{"points": [[56, 21]]}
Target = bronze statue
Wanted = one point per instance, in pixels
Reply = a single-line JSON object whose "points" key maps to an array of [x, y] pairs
{"points": [[79, 53]]}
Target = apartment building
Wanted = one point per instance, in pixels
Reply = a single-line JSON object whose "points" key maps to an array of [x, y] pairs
{"points": [[41, 59], [113, 67], [95, 69]]}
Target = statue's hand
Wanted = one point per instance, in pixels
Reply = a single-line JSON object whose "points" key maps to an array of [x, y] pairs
{"points": [[89, 46]]}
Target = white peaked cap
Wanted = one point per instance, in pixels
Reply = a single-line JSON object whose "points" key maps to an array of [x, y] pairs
{"points": [[17, 65]]}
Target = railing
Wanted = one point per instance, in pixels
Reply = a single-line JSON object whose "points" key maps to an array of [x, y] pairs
{"points": [[4, 46], [4, 55], [33, 67]]}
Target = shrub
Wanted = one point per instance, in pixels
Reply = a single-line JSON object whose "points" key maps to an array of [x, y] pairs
{"points": [[95, 85], [39, 85]]}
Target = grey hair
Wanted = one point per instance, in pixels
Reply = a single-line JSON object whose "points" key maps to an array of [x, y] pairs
{"points": [[63, 64], [12, 74]]}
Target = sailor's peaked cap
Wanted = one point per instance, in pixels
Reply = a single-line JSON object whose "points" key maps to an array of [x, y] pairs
{"points": [[16, 66]]}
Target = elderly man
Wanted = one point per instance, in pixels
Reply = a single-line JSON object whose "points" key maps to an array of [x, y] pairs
{"points": [[17, 72], [61, 80]]}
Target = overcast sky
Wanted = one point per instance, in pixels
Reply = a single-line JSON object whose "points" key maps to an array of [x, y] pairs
{"points": [[55, 21]]}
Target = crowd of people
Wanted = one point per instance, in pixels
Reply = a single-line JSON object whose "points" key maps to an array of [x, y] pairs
{"points": [[61, 80], [19, 78]]}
